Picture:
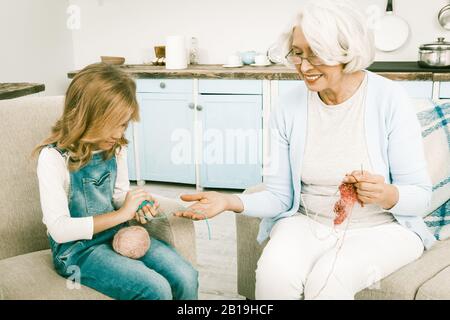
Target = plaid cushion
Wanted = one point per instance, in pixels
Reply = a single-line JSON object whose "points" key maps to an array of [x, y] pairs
{"points": [[439, 221], [435, 121]]}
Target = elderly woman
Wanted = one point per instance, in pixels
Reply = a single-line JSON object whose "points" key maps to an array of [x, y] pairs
{"points": [[353, 127]]}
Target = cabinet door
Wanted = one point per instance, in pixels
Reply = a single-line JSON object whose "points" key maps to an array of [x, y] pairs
{"points": [[232, 140], [166, 137], [444, 90]]}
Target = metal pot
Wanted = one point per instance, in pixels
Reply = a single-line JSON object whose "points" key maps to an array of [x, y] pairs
{"points": [[435, 55]]}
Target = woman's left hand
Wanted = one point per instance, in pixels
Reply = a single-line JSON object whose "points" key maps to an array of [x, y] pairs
{"points": [[371, 188], [209, 204]]}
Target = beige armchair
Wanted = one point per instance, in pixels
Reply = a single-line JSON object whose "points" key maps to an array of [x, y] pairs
{"points": [[26, 268], [425, 278]]}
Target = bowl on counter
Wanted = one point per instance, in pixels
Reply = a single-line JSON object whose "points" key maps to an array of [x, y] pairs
{"points": [[112, 60]]}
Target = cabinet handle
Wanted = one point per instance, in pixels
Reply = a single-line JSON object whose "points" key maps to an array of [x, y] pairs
{"points": [[199, 108], [162, 85], [191, 105]]}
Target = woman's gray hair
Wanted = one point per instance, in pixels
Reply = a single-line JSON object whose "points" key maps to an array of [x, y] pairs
{"points": [[336, 31]]}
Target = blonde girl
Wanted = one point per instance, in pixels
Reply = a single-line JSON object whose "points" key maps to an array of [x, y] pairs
{"points": [[86, 197]]}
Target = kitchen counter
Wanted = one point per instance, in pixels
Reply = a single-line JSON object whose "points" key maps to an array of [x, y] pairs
{"points": [[15, 90], [389, 69]]}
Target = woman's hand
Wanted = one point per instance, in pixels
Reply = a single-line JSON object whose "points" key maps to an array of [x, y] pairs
{"points": [[371, 188], [132, 202], [209, 204]]}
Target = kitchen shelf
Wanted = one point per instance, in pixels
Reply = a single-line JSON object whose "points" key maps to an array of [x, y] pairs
{"points": [[395, 70]]}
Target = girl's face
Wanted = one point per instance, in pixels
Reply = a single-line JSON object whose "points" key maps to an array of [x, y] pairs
{"points": [[112, 140], [317, 77]]}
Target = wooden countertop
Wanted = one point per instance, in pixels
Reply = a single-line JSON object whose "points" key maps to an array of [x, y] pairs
{"points": [[15, 90], [394, 70]]}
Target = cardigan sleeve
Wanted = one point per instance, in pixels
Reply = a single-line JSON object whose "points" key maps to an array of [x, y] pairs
{"points": [[278, 194], [407, 164]]}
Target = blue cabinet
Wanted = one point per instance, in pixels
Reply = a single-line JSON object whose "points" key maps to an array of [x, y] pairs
{"points": [[219, 121], [444, 90], [230, 113], [165, 135], [232, 140]]}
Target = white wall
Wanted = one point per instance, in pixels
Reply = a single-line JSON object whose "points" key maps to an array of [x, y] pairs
{"points": [[36, 45], [131, 28]]}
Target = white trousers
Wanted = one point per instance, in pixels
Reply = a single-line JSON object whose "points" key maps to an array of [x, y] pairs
{"points": [[296, 264]]}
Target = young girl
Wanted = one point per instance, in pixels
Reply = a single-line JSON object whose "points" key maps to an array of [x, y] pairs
{"points": [[85, 196]]}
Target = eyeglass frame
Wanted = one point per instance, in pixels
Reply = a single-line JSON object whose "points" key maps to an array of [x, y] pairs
{"points": [[302, 58]]}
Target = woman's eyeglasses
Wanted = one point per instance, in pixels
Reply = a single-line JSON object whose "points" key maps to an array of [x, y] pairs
{"points": [[296, 58]]}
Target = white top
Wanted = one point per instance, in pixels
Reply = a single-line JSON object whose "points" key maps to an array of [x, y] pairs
{"points": [[336, 145], [54, 183]]}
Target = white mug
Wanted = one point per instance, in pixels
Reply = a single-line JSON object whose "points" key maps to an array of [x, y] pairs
{"points": [[176, 53], [261, 59], [234, 60]]}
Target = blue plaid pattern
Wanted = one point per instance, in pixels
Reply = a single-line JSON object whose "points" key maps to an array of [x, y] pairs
{"points": [[436, 121], [439, 221], [439, 115]]}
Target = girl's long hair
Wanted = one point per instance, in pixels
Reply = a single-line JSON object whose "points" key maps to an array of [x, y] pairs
{"points": [[99, 99]]}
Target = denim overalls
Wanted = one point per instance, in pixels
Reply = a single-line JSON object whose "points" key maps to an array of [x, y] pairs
{"points": [[160, 274]]}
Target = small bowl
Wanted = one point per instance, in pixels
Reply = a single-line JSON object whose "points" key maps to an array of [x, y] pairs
{"points": [[113, 60]]}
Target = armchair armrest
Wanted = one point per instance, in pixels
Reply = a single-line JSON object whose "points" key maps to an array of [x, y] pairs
{"points": [[178, 232], [248, 249]]}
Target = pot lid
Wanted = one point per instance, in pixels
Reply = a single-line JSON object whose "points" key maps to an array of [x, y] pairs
{"points": [[439, 45]]}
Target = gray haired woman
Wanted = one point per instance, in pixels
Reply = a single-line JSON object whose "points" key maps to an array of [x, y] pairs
{"points": [[352, 131]]}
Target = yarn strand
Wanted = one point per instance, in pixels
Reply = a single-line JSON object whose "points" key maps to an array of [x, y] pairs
{"points": [[197, 212], [337, 239]]}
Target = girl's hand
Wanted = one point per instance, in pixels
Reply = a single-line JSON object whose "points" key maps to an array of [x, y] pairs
{"points": [[147, 211], [209, 204], [371, 188], [132, 202]]}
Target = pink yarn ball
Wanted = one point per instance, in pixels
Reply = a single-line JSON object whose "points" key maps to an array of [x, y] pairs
{"points": [[132, 242]]}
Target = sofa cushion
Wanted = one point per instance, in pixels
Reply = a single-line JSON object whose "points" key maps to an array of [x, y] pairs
{"points": [[405, 282], [29, 121], [439, 221], [32, 277], [435, 121], [437, 288]]}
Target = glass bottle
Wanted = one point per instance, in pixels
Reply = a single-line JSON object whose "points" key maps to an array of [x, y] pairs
{"points": [[193, 52]]}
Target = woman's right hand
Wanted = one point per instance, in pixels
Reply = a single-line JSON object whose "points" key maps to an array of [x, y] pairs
{"points": [[133, 200], [209, 204]]}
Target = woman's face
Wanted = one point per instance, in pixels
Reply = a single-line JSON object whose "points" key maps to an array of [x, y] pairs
{"points": [[114, 137], [317, 78]]}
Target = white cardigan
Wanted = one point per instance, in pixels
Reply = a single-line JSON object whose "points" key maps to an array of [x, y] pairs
{"points": [[395, 149]]}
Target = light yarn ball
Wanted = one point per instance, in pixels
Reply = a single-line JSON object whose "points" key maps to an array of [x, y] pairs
{"points": [[132, 242]]}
